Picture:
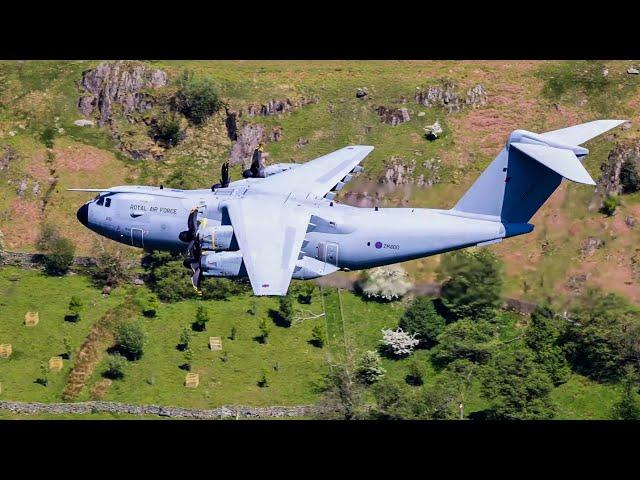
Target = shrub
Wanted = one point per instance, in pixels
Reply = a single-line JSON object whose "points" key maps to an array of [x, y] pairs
{"points": [[188, 358], [422, 319], [148, 303], [263, 381], [43, 379], [185, 339], [416, 374], [472, 284], [130, 340], [542, 337], [384, 283], [234, 333], [304, 292], [629, 177], [48, 236], [111, 268], [68, 349], [166, 129], [610, 204], [202, 317], [370, 367], [47, 136], [75, 306], [318, 338], [115, 367], [628, 406], [197, 98], [58, 260], [398, 343]]}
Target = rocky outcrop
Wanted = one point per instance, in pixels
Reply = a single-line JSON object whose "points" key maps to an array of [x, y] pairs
{"points": [[248, 138], [623, 156], [7, 155], [589, 245], [122, 83], [399, 172], [277, 106], [447, 97], [81, 408], [276, 134], [393, 116]]}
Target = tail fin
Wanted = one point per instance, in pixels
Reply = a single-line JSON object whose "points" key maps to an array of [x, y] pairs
{"points": [[528, 170]]}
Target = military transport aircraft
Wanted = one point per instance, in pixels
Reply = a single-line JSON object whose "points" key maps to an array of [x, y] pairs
{"points": [[282, 223]]}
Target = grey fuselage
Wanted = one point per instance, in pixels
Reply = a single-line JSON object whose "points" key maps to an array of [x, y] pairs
{"points": [[346, 237]]}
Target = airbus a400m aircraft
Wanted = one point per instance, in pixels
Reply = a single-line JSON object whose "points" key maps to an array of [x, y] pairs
{"points": [[282, 223]]}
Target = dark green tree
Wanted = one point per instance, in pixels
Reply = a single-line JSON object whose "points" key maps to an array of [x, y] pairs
{"points": [[263, 325], [628, 407], [516, 386], [603, 336], [285, 310], [166, 129], [60, 256], [197, 98], [185, 339], [130, 340], [188, 358], [465, 339], [472, 284], [542, 337], [202, 317], [422, 318], [395, 400], [111, 268]]}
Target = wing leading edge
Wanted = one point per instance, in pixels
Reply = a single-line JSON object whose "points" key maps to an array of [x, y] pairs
{"points": [[270, 235], [318, 176]]}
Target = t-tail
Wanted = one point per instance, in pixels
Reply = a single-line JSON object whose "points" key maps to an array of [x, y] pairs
{"points": [[526, 172]]}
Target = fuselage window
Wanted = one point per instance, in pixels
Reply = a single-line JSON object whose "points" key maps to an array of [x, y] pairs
{"points": [[101, 201], [107, 202]]}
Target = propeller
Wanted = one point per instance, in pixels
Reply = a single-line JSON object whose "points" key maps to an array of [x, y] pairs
{"points": [[194, 250]]}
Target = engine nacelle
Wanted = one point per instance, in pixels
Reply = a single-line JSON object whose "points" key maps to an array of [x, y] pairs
{"points": [[216, 238], [221, 264]]}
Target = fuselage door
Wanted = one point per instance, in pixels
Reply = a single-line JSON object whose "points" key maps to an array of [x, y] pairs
{"points": [[137, 237], [331, 254]]}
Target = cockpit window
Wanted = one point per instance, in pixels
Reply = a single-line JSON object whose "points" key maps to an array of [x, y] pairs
{"points": [[107, 202], [101, 201]]}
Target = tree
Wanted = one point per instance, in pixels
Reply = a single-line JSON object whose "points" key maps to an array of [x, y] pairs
{"points": [[264, 330], [44, 375], [115, 367], [342, 392], [197, 98], [60, 257], [304, 291], [202, 317], [188, 358], [395, 400], [370, 367], [285, 310], [75, 306], [167, 277], [542, 337], [318, 338], [130, 340], [234, 333], [416, 373], [422, 319], [398, 343], [263, 381], [384, 283], [472, 284], [459, 376], [628, 407], [68, 349], [602, 336], [465, 339], [516, 387], [185, 339]]}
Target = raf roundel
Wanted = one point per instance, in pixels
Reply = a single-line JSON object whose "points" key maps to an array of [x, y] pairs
{"points": [[378, 244]]}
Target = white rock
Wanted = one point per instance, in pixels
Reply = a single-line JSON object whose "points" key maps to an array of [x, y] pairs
{"points": [[633, 71], [12, 133], [61, 131], [83, 123], [421, 114]]}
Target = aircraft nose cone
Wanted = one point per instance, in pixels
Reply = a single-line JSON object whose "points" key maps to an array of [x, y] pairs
{"points": [[83, 214]]}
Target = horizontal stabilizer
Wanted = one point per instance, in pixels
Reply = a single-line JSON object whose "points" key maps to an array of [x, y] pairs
{"points": [[563, 162], [578, 134]]}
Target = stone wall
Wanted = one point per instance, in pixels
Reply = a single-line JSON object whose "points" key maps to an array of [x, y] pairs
{"points": [[82, 408]]}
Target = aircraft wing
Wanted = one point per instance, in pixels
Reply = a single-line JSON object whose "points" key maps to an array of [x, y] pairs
{"points": [[270, 235], [318, 176]]}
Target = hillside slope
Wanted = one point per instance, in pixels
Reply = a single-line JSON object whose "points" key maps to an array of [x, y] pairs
{"points": [[305, 109]]}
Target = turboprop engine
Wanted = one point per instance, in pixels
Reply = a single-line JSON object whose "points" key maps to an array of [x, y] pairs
{"points": [[221, 264], [216, 238]]}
